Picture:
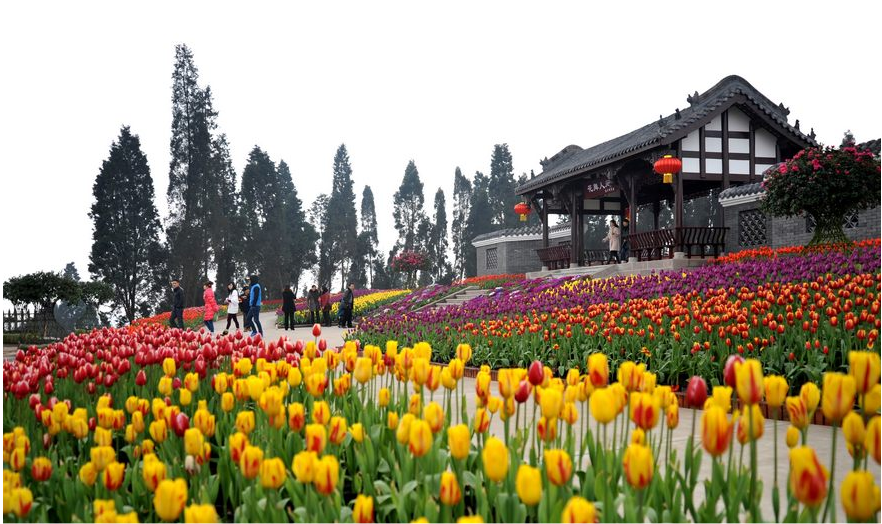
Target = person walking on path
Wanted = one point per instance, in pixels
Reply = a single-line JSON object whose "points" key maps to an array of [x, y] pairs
{"points": [[255, 295], [312, 302], [177, 312], [288, 307], [211, 307], [346, 305], [232, 302], [614, 238], [325, 304], [243, 307]]}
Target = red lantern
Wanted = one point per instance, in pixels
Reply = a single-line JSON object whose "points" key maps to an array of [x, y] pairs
{"points": [[667, 166], [523, 209]]}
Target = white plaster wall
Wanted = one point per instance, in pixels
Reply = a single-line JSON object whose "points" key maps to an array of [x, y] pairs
{"points": [[690, 143], [765, 143], [713, 145], [738, 121], [715, 124], [739, 167], [759, 169], [691, 165], [714, 165], [739, 145]]}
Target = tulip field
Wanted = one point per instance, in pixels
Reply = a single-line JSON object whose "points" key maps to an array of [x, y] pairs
{"points": [[148, 423]]}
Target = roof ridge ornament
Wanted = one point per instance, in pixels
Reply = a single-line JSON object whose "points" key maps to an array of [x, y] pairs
{"points": [[812, 134], [784, 110], [797, 124], [693, 99], [677, 114]]}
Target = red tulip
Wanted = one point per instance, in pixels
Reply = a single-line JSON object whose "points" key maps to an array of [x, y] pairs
{"points": [[536, 374], [34, 400], [696, 392], [729, 370], [48, 386], [316, 330], [523, 392], [141, 378], [180, 424], [21, 389], [322, 344], [176, 383]]}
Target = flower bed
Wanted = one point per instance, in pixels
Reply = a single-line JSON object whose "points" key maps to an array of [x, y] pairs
{"points": [[153, 423], [193, 316], [799, 315], [366, 301]]}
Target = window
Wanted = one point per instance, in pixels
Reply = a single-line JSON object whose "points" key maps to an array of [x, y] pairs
{"points": [[751, 228], [491, 258], [849, 222]]}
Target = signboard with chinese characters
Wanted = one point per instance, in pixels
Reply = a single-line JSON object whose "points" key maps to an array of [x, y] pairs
{"points": [[599, 188]]}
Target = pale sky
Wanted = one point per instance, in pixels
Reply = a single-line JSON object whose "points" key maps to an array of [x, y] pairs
{"points": [[440, 84]]}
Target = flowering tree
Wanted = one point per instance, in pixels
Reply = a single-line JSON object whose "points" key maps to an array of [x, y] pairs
{"points": [[828, 184], [409, 262]]}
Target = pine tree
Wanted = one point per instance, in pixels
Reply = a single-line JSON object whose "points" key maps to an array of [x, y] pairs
{"points": [[480, 220], [368, 239], [301, 236], [125, 242], [318, 217], [258, 199], [226, 230], [502, 187], [341, 230], [462, 194], [191, 180], [408, 209], [441, 269]]}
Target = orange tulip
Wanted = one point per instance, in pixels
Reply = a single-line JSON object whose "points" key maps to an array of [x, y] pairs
{"points": [[451, 494], [296, 416], [41, 469]]}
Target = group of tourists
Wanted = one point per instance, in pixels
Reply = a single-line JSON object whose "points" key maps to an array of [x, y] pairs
{"points": [[250, 299], [617, 248]]}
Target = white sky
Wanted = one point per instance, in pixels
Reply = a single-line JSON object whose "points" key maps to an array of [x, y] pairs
{"points": [[395, 81]]}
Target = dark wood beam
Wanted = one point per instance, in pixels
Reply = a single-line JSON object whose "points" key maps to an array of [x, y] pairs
{"points": [[702, 155], [725, 124], [752, 153]]}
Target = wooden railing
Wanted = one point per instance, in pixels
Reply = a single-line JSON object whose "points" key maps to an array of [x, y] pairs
{"points": [[662, 243], [555, 257]]}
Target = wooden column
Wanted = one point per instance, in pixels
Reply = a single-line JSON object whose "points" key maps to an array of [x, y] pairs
{"points": [[545, 222], [656, 210], [632, 200], [725, 126], [752, 148], [574, 229], [678, 196]]}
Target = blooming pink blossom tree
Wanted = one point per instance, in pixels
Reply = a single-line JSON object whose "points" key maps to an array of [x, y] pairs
{"points": [[409, 262]]}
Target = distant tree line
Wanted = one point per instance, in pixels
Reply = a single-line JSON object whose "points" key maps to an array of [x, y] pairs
{"points": [[222, 228]]}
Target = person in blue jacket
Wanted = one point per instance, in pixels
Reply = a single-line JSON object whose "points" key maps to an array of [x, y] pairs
{"points": [[255, 295]]}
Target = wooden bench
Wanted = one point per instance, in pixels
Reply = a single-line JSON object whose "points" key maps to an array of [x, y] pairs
{"points": [[662, 243], [706, 239], [601, 256], [555, 257]]}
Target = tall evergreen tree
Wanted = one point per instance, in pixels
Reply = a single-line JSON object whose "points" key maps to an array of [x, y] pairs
{"points": [[191, 180], [368, 239], [462, 194], [125, 242], [226, 230], [480, 220], [408, 209], [502, 187], [258, 205], [318, 217], [342, 223], [441, 268], [301, 236]]}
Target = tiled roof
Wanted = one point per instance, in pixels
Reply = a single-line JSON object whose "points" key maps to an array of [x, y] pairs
{"points": [[654, 134], [740, 191], [520, 231]]}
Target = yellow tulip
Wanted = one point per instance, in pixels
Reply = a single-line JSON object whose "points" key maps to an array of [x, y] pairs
{"points": [[170, 499], [201, 513], [101, 456], [864, 367], [456, 368], [384, 397], [638, 465], [420, 438], [672, 415], [271, 401], [88, 474], [450, 494], [558, 466], [20, 501], [316, 437], [551, 402], [357, 432], [838, 395], [154, 472], [792, 438], [872, 438], [853, 429], [631, 376], [363, 511], [414, 405], [598, 370], [493, 404], [113, 475], [434, 415], [245, 422], [749, 381], [638, 436], [403, 432], [337, 433], [304, 466], [796, 408], [808, 478], [482, 385], [420, 371], [750, 428], [649, 380], [392, 420], [716, 431], [578, 510], [464, 353], [250, 461], [327, 474], [237, 445], [481, 421], [220, 382], [546, 429], [860, 495], [193, 442], [776, 390], [459, 441], [644, 410], [811, 396], [529, 484], [603, 405], [447, 379], [272, 473], [228, 402], [495, 458], [296, 416], [363, 369], [256, 385], [168, 367], [506, 381], [872, 400]]}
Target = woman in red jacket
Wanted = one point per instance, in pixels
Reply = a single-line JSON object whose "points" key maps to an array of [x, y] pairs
{"points": [[211, 307]]}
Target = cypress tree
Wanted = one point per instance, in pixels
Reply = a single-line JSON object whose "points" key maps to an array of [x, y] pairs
{"points": [[501, 189], [342, 223], [300, 237], [462, 194], [125, 242], [441, 269], [368, 239], [226, 230], [480, 220], [408, 209]]}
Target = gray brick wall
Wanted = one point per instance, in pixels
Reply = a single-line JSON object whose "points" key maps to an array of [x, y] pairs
{"points": [[511, 257], [782, 232]]}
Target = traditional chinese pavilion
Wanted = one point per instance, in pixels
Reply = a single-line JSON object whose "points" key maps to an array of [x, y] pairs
{"points": [[726, 137]]}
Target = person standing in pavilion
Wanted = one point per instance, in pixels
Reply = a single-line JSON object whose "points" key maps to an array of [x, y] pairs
{"points": [[614, 238]]}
